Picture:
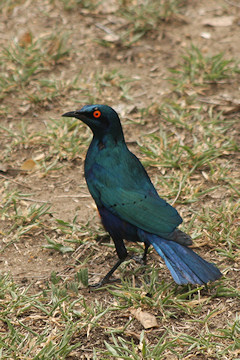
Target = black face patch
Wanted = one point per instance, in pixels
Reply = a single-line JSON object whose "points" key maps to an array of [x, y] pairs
{"points": [[100, 118]]}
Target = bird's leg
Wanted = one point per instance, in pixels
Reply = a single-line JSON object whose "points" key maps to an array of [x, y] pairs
{"points": [[142, 259], [106, 278], [122, 254]]}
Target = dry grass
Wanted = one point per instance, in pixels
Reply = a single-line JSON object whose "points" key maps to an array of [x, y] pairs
{"points": [[178, 98]]}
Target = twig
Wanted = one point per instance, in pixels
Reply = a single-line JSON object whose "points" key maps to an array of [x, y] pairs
{"points": [[105, 29], [179, 192], [212, 102], [232, 3], [73, 196], [16, 182], [35, 200]]}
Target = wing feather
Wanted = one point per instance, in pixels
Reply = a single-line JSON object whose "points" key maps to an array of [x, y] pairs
{"points": [[136, 202]]}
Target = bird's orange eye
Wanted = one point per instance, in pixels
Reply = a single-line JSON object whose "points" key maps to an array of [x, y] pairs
{"points": [[97, 114]]}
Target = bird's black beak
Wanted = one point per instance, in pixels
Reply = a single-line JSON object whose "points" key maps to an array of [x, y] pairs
{"points": [[78, 114], [71, 114]]}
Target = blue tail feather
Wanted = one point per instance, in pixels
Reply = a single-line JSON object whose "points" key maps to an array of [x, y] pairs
{"points": [[184, 264]]}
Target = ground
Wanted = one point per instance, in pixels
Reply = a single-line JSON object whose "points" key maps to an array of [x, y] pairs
{"points": [[171, 70]]}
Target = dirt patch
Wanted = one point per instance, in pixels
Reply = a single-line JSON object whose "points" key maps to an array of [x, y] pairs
{"points": [[99, 63]]}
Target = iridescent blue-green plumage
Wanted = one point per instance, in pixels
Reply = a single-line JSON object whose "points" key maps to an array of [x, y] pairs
{"points": [[128, 203]]}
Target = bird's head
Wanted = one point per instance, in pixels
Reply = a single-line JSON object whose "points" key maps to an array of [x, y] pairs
{"points": [[101, 119]]}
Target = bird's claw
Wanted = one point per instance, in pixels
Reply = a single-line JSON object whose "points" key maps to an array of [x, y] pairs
{"points": [[139, 259], [102, 283]]}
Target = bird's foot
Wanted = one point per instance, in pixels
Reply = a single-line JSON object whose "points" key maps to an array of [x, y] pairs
{"points": [[139, 259], [102, 283]]}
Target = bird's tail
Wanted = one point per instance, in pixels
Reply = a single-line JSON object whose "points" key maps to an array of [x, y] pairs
{"points": [[184, 264]]}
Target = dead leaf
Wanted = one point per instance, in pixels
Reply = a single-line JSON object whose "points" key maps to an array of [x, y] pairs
{"points": [[145, 318], [111, 35], [28, 165], [111, 38], [39, 157], [196, 302], [205, 175], [200, 243], [25, 39], [205, 35], [3, 168], [231, 110], [219, 21], [133, 334], [23, 109], [110, 7]]}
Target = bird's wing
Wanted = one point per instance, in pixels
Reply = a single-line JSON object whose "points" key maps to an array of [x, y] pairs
{"points": [[140, 206]]}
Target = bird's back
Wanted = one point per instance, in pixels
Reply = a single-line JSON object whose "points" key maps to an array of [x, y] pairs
{"points": [[118, 181]]}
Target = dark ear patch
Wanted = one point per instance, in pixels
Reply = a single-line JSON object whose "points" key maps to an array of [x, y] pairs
{"points": [[104, 121], [98, 115]]}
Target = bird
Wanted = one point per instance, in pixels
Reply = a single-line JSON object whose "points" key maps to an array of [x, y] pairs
{"points": [[129, 205]]}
